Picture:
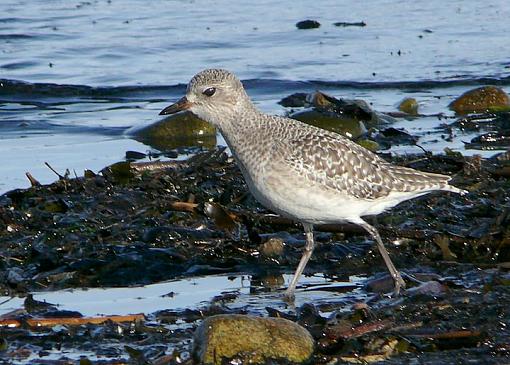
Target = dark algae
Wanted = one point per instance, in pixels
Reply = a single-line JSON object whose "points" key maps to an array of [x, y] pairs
{"points": [[131, 226]]}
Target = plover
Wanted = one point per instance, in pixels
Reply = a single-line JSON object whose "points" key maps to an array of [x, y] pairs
{"points": [[302, 172]]}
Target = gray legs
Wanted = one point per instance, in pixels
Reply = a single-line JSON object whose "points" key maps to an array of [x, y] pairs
{"points": [[289, 293], [397, 278]]}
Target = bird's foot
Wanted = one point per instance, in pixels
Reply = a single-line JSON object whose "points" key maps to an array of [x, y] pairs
{"points": [[289, 296], [399, 284]]}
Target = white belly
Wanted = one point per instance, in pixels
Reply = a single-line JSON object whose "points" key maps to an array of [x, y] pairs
{"points": [[304, 202], [312, 203]]}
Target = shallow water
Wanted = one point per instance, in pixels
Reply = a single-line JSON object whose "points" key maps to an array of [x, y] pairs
{"points": [[193, 293], [126, 60]]}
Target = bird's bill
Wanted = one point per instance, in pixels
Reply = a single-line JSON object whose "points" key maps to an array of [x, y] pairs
{"points": [[180, 105]]}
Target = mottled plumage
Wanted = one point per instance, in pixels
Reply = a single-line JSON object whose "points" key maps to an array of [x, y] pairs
{"points": [[300, 171]]}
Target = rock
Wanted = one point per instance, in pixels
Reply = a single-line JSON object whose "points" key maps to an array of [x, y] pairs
{"points": [[347, 117], [409, 106], [308, 24], [482, 99], [177, 130], [392, 136], [355, 108], [120, 172], [251, 340], [272, 247], [345, 125], [296, 100], [135, 155]]}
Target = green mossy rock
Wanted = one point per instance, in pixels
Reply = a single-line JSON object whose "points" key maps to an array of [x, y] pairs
{"points": [[409, 106], [350, 118], [251, 340], [480, 100], [177, 130], [345, 125]]}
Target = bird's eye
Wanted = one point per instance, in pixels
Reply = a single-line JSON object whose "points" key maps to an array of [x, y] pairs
{"points": [[209, 91]]}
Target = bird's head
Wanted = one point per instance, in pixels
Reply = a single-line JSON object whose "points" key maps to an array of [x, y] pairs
{"points": [[214, 95]]}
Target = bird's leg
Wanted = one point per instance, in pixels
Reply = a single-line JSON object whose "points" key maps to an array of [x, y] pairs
{"points": [[307, 253], [397, 278]]}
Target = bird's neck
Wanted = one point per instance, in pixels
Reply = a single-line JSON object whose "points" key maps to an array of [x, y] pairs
{"points": [[244, 133], [240, 125]]}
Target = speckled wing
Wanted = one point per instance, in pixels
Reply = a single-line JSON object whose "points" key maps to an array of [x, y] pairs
{"points": [[338, 163]]}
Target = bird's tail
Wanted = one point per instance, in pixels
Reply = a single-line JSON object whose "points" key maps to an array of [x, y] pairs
{"points": [[454, 189], [414, 180]]}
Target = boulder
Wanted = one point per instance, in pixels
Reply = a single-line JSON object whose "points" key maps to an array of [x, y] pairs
{"points": [[480, 100], [177, 130], [251, 340]]}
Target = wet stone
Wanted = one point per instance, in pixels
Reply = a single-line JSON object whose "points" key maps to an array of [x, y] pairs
{"points": [[480, 100], [345, 125], [250, 339], [308, 24], [409, 106], [273, 247], [177, 130], [135, 155]]}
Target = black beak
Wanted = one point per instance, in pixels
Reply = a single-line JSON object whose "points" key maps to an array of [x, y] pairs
{"points": [[182, 104]]}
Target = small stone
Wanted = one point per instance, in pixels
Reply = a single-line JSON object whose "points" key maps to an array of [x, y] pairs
{"points": [[251, 340], [482, 99], [409, 106], [272, 247], [308, 24]]}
